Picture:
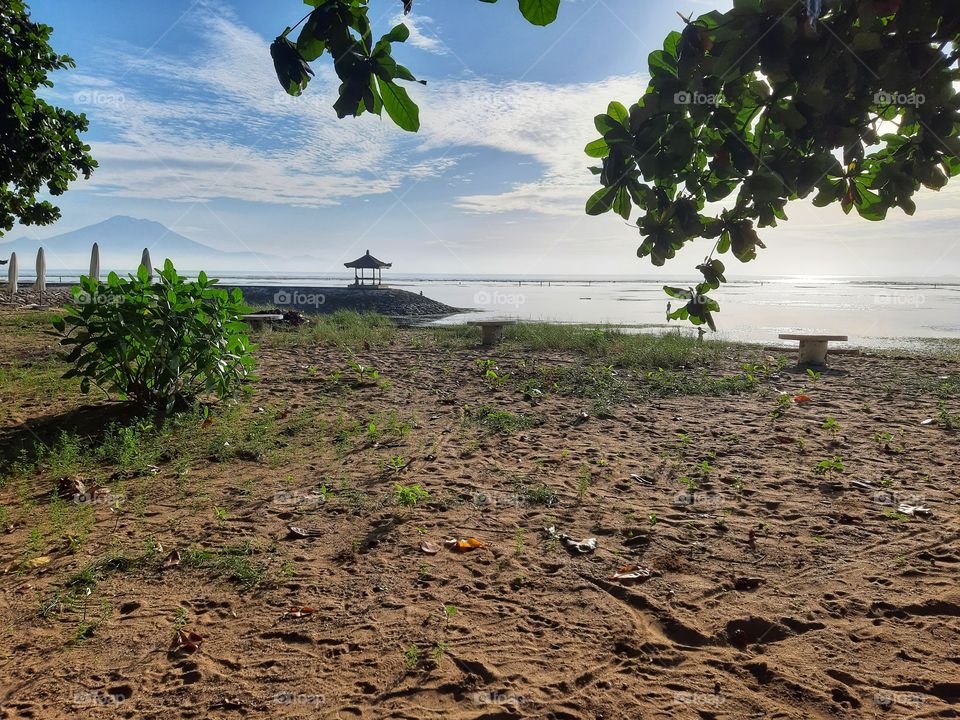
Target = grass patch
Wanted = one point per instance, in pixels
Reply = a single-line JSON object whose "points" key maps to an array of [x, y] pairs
{"points": [[235, 563], [343, 328], [501, 421], [674, 383]]}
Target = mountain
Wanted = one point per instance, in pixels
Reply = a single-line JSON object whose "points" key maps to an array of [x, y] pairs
{"points": [[122, 240]]}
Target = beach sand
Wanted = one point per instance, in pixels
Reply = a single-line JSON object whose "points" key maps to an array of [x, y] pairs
{"points": [[777, 588]]}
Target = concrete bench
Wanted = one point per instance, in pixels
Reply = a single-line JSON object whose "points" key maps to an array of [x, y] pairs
{"points": [[813, 348], [491, 331], [258, 320]]}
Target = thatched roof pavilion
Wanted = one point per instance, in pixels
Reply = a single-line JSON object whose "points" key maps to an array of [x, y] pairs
{"points": [[364, 263]]}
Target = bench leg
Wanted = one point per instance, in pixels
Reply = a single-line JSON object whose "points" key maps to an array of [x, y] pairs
{"points": [[490, 335], [813, 352]]}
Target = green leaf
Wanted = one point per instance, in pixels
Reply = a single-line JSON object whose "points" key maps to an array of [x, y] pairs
{"points": [[540, 12], [601, 201], [401, 109], [597, 148]]}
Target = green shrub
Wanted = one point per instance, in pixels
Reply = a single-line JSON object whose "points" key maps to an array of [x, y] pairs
{"points": [[159, 343]]}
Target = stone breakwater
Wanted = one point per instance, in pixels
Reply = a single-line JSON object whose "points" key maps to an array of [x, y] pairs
{"points": [[391, 302]]}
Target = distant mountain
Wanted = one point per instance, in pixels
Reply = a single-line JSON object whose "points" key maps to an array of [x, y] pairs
{"points": [[122, 240]]}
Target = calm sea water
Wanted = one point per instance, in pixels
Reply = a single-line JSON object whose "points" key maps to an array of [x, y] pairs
{"points": [[872, 312]]}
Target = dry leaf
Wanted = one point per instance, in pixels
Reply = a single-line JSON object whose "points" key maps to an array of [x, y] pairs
{"points": [[304, 532], [206, 423], [283, 414], [429, 548], [172, 560], [187, 641], [298, 612], [802, 398], [37, 561], [630, 573]]}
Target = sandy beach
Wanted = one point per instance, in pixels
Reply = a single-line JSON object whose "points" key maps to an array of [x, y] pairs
{"points": [[659, 531]]}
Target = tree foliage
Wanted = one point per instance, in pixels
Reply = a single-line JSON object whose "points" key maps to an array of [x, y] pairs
{"points": [[367, 71], [848, 101], [774, 101], [158, 342], [39, 143]]}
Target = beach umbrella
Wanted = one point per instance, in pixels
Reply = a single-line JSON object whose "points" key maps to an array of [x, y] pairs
{"points": [[145, 261], [41, 281], [95, 263], [12, 275]]}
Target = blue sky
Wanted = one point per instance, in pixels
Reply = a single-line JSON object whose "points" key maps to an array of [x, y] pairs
{"points": [[192, 130]]}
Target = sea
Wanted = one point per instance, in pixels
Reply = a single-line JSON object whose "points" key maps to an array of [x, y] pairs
{"points": [[872, 312]]}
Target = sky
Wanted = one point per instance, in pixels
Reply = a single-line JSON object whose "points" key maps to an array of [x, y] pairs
{"points": [[192, 130]]}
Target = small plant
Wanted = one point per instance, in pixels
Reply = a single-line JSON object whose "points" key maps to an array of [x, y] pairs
{"points": [[831, 424], [364, 372], [827, 467], [395, 463], [652, 518], [408, 496], [583, 482], [801, 444], [180, 618], [449, 611], [947, 420], [438, 651], [220, 514], [894, 515], [159, 342], [411, 657], [783, 404], [518, 541], [813, 374]]}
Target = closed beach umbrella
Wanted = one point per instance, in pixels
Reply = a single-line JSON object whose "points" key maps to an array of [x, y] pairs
{"points": [[41, 282], [145, 261], [95, 263], [12, 275]]}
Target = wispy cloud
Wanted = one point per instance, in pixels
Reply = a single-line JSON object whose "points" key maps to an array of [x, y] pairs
{"points": [[421, 36]]}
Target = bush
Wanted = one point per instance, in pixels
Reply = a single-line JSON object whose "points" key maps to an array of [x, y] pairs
{"points": [[159, 343]]}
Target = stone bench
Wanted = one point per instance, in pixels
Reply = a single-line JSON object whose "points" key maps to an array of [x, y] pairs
{"points": [[491, 331], [258, 320], [813, 348]]}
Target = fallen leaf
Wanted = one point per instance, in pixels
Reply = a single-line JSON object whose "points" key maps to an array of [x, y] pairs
{"points": [[37, 561], [187, 641], [299, 612], [581, 546], [906, 509], [802, 398], [172, 560], [630, 573], [206, 423], [304, 532], [429, 548], [283, 414]]}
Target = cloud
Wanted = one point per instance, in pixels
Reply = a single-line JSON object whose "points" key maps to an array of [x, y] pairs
{"points": [[419, 36]]}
